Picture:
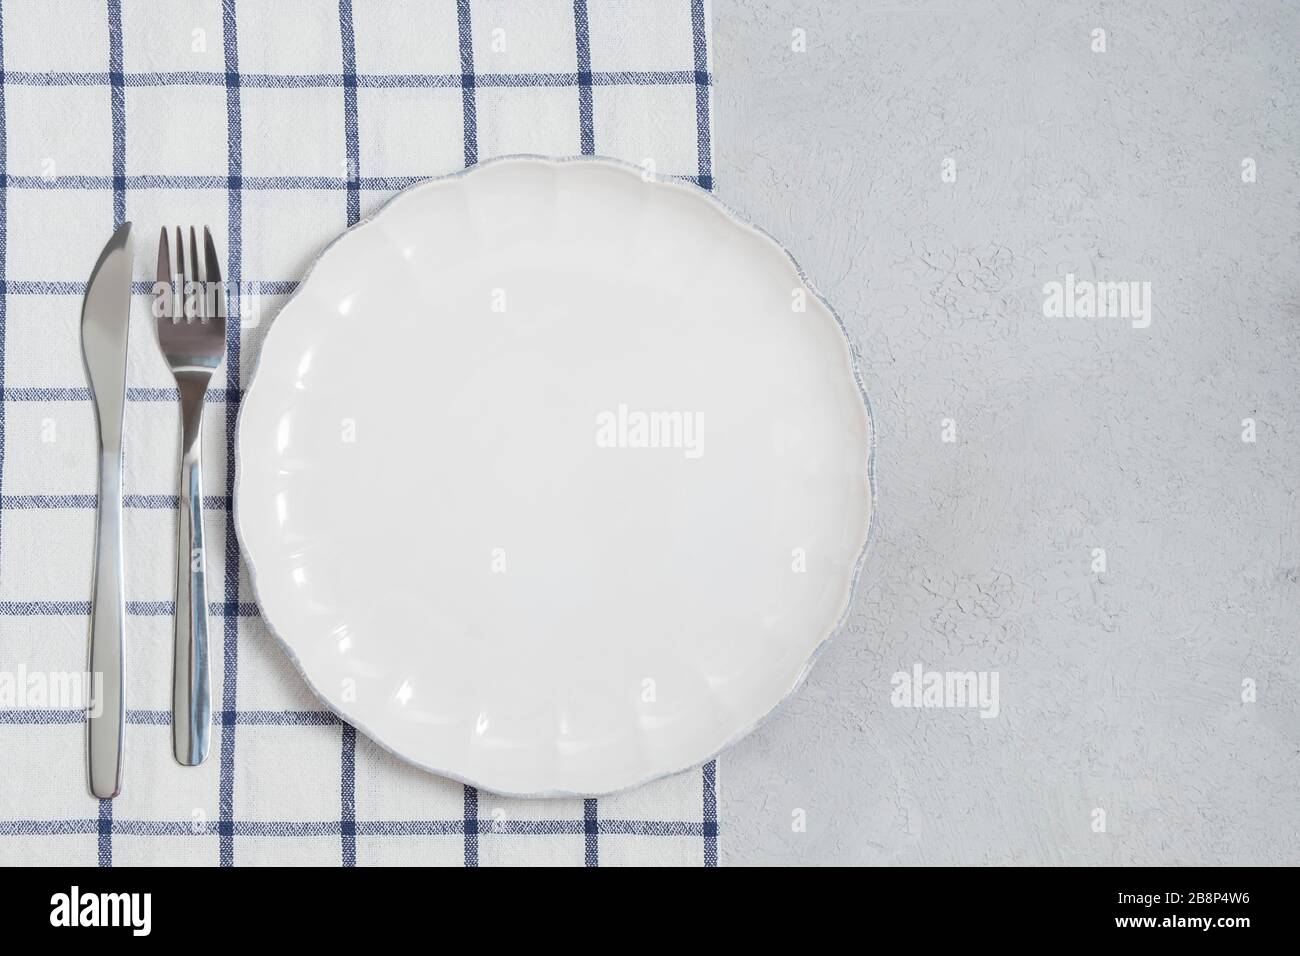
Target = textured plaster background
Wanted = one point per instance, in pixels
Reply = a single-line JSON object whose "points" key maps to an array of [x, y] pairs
{"points": [[1122, 690]]}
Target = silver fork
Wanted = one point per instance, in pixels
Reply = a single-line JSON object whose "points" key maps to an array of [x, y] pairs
{"points": [[192, 336]]}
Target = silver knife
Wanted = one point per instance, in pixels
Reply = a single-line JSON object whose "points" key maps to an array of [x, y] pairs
{"points": [[105, 321]]}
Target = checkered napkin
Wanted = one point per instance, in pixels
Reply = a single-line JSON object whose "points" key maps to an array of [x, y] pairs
{"points": [[278, 123]]}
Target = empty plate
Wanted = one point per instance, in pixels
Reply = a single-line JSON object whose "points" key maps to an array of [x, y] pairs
{"points": [[553, 477]]}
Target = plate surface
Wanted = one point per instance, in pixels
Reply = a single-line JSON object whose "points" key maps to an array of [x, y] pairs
{"points": [[553, 479]]}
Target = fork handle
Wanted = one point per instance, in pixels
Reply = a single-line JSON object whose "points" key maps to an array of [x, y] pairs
{"points": [[191, 681]]}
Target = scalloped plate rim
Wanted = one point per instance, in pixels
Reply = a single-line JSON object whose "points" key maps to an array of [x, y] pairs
{"points": [[737, 220]]}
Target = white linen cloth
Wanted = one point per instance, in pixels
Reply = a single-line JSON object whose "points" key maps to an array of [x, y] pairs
{"points": [[277, 123]]}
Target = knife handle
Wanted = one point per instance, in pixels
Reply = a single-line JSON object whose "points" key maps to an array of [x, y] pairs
{"points": [[107, 716], [191, 681]]}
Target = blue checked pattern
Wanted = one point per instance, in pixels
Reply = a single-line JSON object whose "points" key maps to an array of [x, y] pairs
{"points": [[288, 120]]}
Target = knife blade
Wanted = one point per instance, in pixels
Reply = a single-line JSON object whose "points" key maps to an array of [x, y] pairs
{"points": [[105, 322]]}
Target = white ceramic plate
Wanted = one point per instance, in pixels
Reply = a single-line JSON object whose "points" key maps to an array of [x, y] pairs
{"points": [[553, 479]]}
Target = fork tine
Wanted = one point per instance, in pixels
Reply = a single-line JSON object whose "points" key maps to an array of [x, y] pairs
{"points": [[164, 258], [180, 275], [200, 276], [214, 273], [165, 268]]}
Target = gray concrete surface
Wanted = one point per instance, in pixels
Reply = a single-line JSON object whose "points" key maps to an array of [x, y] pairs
{"points": [[1128, 691]]}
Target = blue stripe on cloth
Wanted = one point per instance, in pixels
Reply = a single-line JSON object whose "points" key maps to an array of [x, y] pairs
{"points": [[586, 121], [351, 134], [587, 138], [381, 184], [348, 797], [230, 634], [159, 181], [105, 832], [142, 288], [348, 756], [4, 251], [118, 98], [363, 80], [591, 826], [468, 103], [254, 718], [711, 813], [470, 826], [91, 501], [704, 145], [82, 394], [330, 828], [469, 114], [249, 718], [57, 608]]}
